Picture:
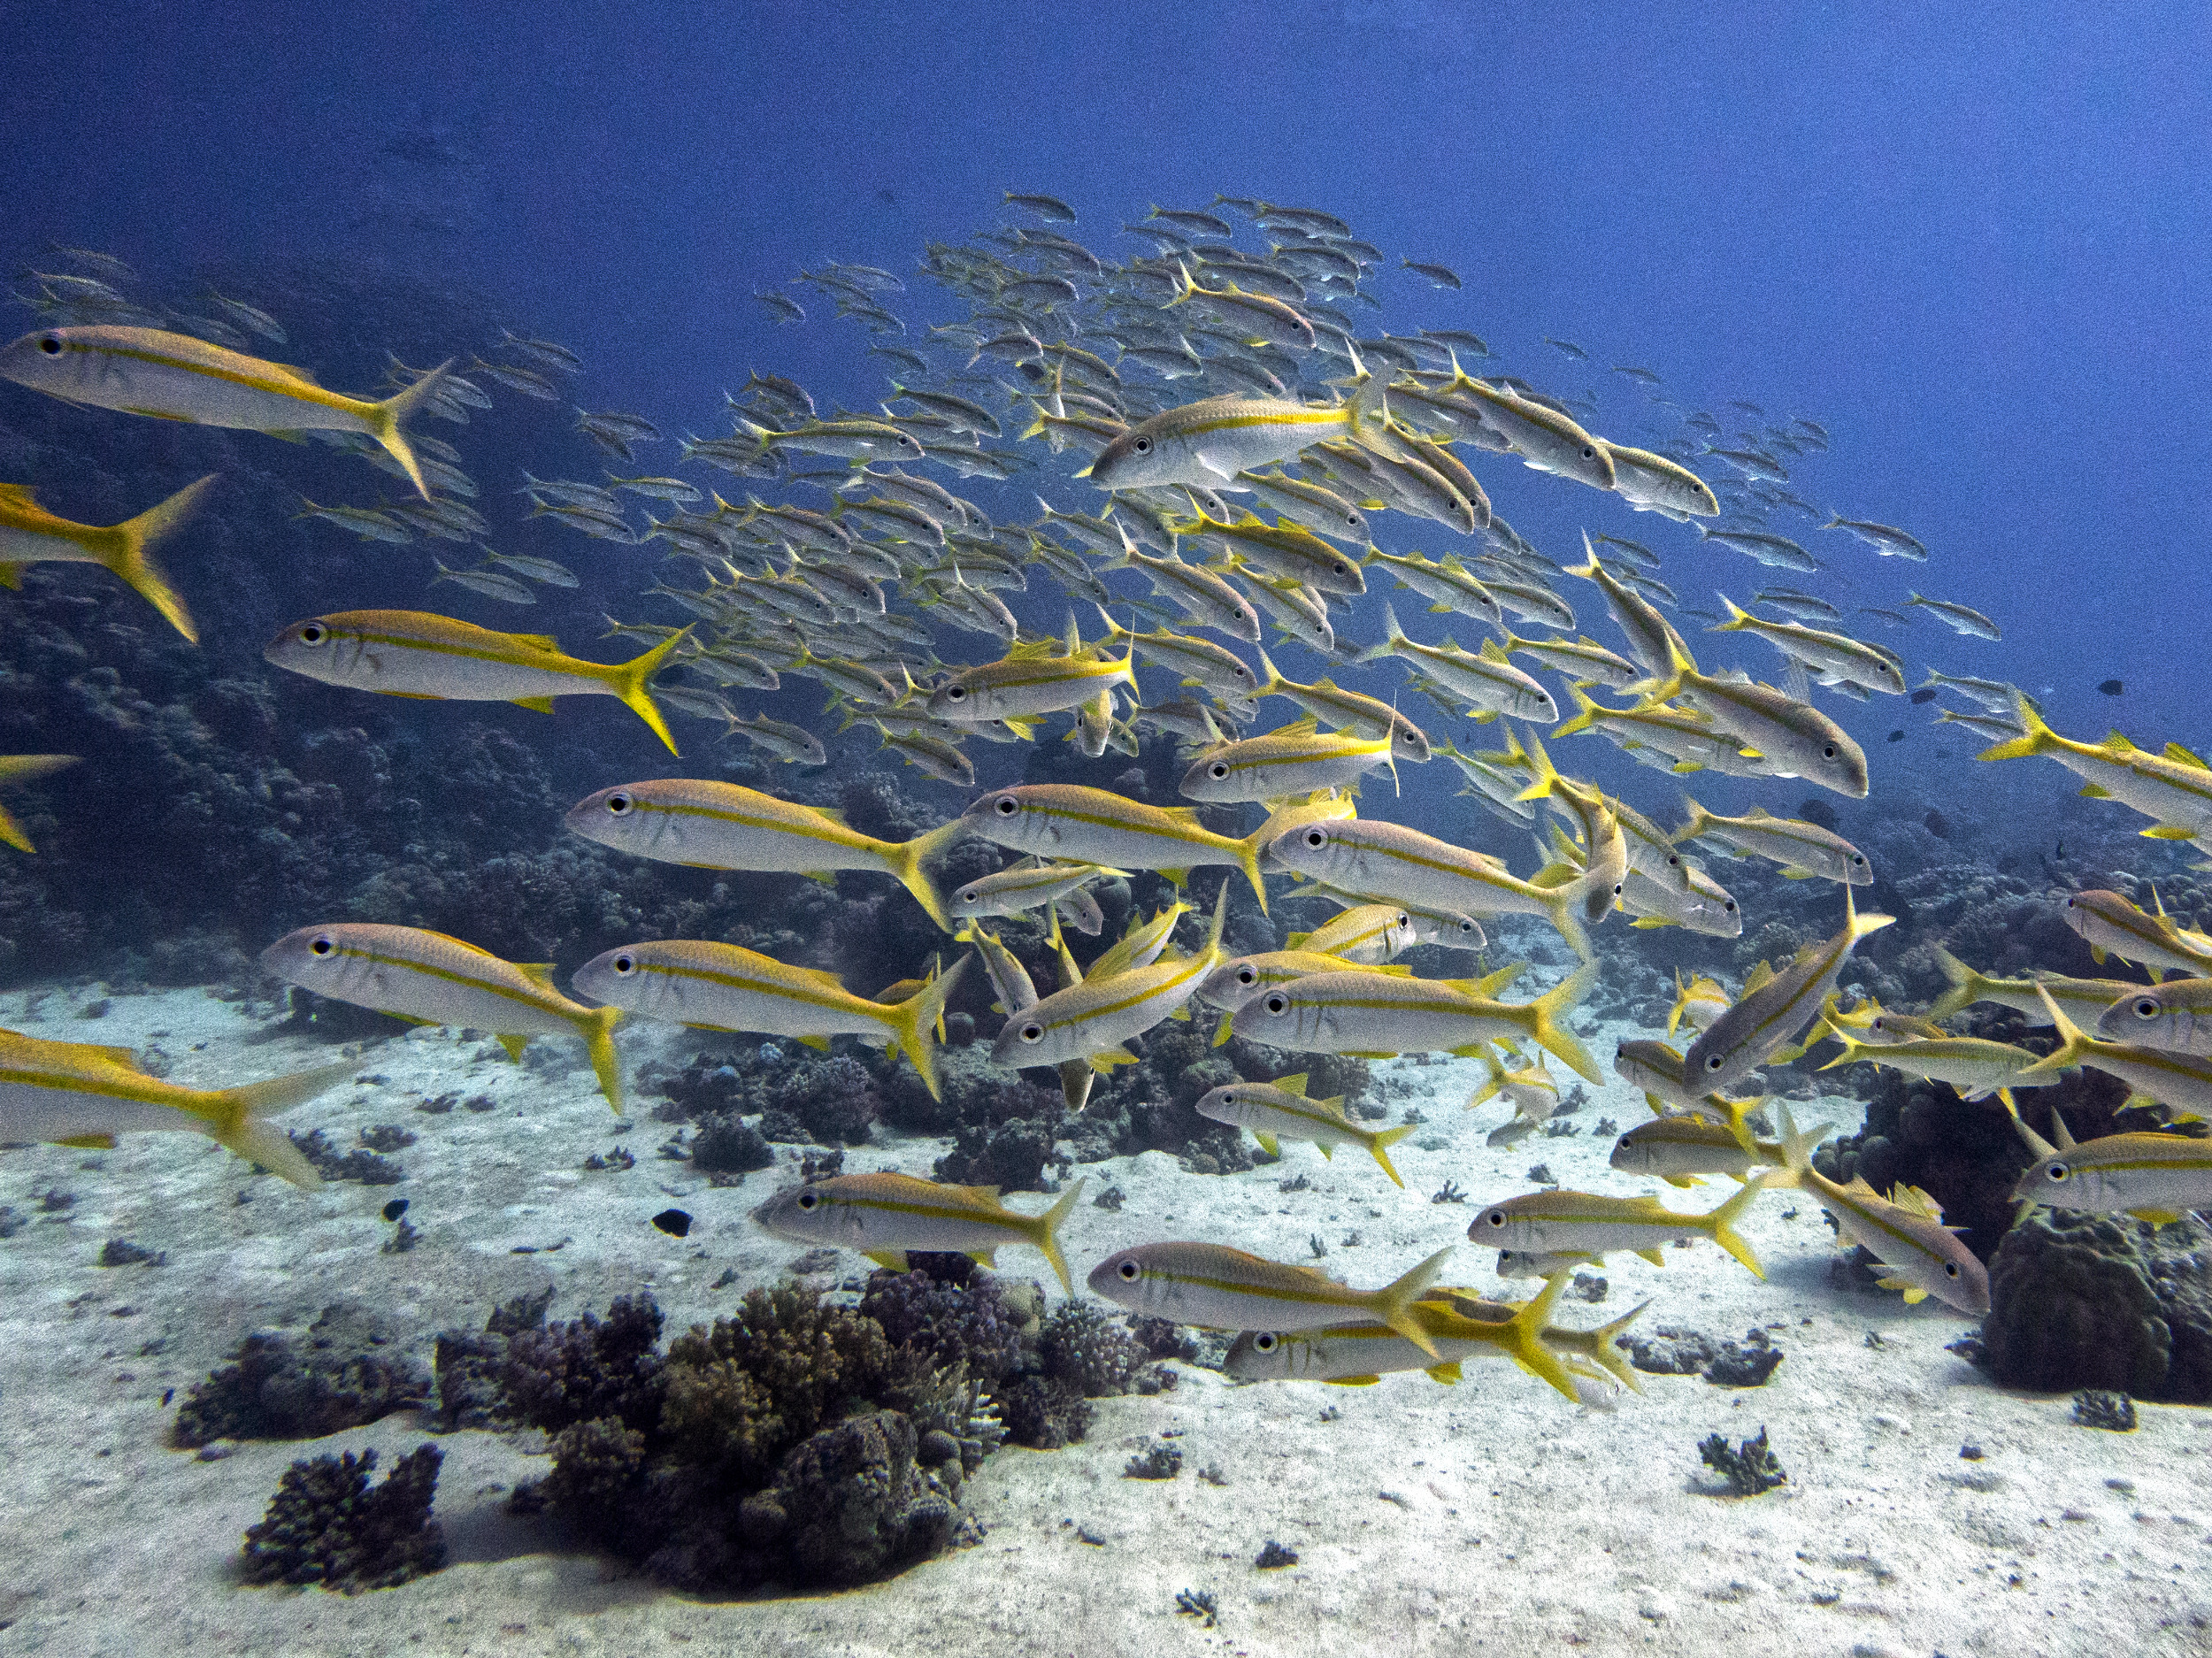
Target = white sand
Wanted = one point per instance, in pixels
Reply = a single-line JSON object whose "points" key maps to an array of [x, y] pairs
{"points": [[1489, 1516]]}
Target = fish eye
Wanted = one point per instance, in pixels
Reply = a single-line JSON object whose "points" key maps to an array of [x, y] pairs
{"points": [[619, 804], [1339, 568], [314, 634], [1264, 1342], [2146, 1008], [1143, 445], [1588, 454], [625, 964], [1218, 770], [1033, 1031], [956, 693], [1496, 1217], [1950, 1268], [808, 1199], [1730, 905], [2056, 1173], [1828, 751], [1713, 1062], [323, 945], [50, 343], [1858, 857], [1008, 805], [1248, 976], [1404, 920], [972, 894], [1316, 839], [1279, 1003], [1128, 1271]]}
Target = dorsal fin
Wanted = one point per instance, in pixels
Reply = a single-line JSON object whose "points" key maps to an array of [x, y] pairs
{"points": [[1490, 651], [1292, 1085], [1761, 974], [1305, 726], [538, 642], [539, 973], [23, 493], [2184, 756]]}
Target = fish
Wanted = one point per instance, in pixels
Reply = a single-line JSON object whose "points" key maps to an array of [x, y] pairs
{"points": [[1550, 1221], [1888, 542], [884, 1215], [25, 768], [1211, 441], [1391, 864], [544, 570], [1355, 1355], [722, 987], [1677, 1147], [1290, 553], [1819, 650], [1925, 1257], [1581, 658], [792, 743], [430, 979], [1279, 1110], [1381, 1015], [1217, 1287], [2110, 925], [1484, 679], [1092, 1020], [1975, 1067], [1652, 639], [1321, 510], [1649, 849], [2154, 1177], [1697, 1002], [1233, 984], [1957, 617], [2085, 998], [29, 534], [176, 377], [2173, 790], [1083, 825], [1651, 482], [490, 583], [414, 653], [76, 1094], [2176, 1016], [1532, 1091], [1776, 551], [368, 523], [1292, 760], [1029, 885], [1761, 1020], [1363, 935], [1035, 677], [2111, 687], [728, 827], [1699, 903], [1802, 850], [1206, 599], [1442, 275], [1796, 738]]}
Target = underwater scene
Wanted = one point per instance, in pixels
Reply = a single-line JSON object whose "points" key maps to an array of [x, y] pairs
{"points": [[1358, 827]]}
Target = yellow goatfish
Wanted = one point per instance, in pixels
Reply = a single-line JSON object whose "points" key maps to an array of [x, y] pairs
{"points": [[883, 1215], [723, 987], [414, 653], [24, 768], [74, 1094], [1547, 1222], [1356, 1354], [1219, 1288], [177, 376], [29, 534], [1090, 1020], [432, 979], [728, 827]]}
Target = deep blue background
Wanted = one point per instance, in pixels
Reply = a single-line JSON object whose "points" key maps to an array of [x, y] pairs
{"points": [[1973, 246]]}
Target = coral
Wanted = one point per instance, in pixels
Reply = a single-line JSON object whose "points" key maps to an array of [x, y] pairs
{"points": [[560, 1374], [1044, 1413], [1273, 1554], [1011, 1156], [1749, 1470], [858, 1505], [2102, 1301], [726, 1144], [948, 1313], [1081, 1344], [360, 1164], [345, 1373], [1158, 1462], [121, 1252], [595, 1465], [740, 1394], [835, 1099], [2096, 1409], [471, 1366], [326, 1525], [1670, 1351]]}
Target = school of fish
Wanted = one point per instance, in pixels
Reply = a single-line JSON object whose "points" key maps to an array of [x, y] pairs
{"points": [[1226, 456]]}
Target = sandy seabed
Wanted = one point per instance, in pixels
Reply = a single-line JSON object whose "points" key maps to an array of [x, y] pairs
{"points": [[1488, 1516]]}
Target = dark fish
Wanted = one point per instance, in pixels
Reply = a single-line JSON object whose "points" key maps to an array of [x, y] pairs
{"points": [[397, 1207], [1819, 811], [2112, 687], [1928, 695], [1897, 736], [1939, 825], [675, 1222]]}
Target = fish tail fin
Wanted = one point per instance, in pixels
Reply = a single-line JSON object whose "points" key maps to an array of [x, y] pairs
{"points": [[1221, 918], [1393, 1302], [1723, 1223], [1367, 412], [1274, 675], [632, 681], [128, 554], [1545, 1028], [1586, 713], [1490, 1088], [385, 420], [1739, 618], [1049, 1231], [1660, 687], [597, 1030], [1394, 636], [242, 1123], [908, 858], [1797, 1149], [1248, 851], [1965, 986], [914, 1022], [1859, 926], [1561, 905], [2071, 1043], [1531, 754], [1612, 1357], [2035, 737], [1380, 1146], [1525, 1337]]}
